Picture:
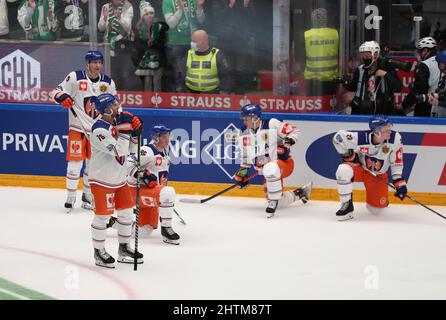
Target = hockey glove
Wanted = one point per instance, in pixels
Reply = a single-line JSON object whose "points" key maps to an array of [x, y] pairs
{"points": [[289, 141], [401, 189], [137, 126], [129, 124], [149, 179], [64, 100], [241, 178], [283, 152]]}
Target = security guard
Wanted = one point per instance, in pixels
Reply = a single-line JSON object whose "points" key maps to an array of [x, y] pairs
{"points": [[207, 70], [322, 47]]}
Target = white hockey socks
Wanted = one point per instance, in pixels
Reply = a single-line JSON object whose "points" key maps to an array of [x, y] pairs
{"points": [[344, 176], [167, 202], [98, 230], [73, 174], [272, 174], [125, 221]]}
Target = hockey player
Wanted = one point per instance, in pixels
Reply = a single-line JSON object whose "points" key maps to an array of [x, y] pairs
{"points": [[365, 154], [157, 200], [265, 145], [76, 92], [110, 145]]}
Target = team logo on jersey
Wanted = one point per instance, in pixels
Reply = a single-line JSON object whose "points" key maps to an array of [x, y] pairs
{"points": [[75, 147], [385, 149], [67, 79], [110, 197], [82, 86], [265, 136], [287, 129], [148, 201], [103, 88], [113, 132]]}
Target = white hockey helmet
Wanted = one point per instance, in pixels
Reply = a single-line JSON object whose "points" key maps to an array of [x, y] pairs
{"points": [[144, 152], [426, 42], [370, 46]]}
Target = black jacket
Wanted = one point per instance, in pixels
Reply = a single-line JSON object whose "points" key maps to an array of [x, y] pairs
{"points": [[385, 88], [419, 86]]}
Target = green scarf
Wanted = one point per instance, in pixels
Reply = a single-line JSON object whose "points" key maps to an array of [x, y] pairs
{"points": [[40, 29], [114, 27]]}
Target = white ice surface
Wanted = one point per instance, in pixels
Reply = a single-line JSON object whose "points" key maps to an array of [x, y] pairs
{"points": [[229, 250]]}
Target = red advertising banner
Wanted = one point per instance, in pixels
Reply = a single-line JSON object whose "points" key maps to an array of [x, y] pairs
{"points": [[184, 101]]}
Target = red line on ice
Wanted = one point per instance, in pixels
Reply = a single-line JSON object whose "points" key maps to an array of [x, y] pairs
{"points": [[128, 291]]}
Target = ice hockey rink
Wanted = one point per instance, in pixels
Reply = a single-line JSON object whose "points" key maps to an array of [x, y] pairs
{"points": [[229, 250]]}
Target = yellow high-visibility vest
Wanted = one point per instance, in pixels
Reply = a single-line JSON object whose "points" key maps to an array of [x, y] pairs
{"points": [[202, 72], [321, 46]]}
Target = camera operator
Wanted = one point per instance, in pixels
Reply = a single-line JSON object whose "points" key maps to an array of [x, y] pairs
{"points": [[438, 99], [374, 83], [426, 80]]}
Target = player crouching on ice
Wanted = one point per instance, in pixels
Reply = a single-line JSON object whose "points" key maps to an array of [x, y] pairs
{"points": [[111, 142], [265, 145], [157, 200], [366, 154]]}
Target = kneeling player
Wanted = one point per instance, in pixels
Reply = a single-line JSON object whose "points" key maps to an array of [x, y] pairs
{"points": [[258, 139], [157, 200], [365, 154]]}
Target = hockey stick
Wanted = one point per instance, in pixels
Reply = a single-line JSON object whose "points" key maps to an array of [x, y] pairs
{"points": [[188, 200], [138, 186], [408, 196], [82, 125], [178, 215]]}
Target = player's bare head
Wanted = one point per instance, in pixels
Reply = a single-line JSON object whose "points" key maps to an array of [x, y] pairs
{"points": [[201, 38], [161, 136], [116, 2], [251, 115], [94, 60]]}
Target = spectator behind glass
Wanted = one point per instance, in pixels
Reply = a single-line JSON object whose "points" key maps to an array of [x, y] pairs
{"points": [[183, 17], [206, 69], [38, 20], [73, 19], [116, 23], [149, 48], [4, 23]]}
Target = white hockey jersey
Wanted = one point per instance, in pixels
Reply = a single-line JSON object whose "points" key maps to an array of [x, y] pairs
{"points": [[374, 158], [260, 147], [82, 89], [157, 162], [109, 153]]}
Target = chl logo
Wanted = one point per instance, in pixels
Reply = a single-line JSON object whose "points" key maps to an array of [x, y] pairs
{"points": [[19, 71]]}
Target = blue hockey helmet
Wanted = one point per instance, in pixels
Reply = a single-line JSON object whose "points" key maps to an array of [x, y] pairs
{"points": [[94, 55], [104, 101], [159, 130], [378, 121], [251, 110]]}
